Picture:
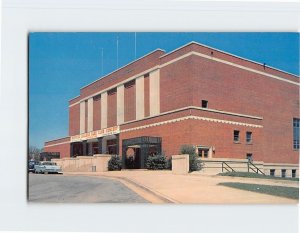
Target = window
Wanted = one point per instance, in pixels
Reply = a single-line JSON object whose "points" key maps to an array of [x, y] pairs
{"points": [[97, 97], [204, 104], [249, 157], [248, 137], [205, 153], [272, 172], [293, 173], [296, 123], [236, 136], [283, 172]]}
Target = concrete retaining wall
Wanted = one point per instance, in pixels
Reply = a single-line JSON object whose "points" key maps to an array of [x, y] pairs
{"points": [[180, 164], [84, 163], [214, 166]]}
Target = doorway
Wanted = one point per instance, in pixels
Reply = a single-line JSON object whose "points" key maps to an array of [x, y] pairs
{"points": [[135, 151], [204, 152]]}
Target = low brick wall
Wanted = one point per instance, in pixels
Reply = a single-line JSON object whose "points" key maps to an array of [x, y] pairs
{"points": [[98, 163], [180, 164]]}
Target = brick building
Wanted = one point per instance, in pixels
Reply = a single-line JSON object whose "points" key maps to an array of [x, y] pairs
{"points": [[224, 105]]}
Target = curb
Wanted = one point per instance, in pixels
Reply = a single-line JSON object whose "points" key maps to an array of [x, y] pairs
{"points": [[145, 188]]}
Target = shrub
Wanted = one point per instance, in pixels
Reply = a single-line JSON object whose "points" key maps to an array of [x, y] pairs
{"points": [[195, 163], [115, 163], [156, 162]]}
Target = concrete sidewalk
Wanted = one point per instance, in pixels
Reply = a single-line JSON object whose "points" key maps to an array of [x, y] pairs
{"points": [[194, 188]]}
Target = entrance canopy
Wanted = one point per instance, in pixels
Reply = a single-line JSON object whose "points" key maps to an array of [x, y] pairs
{"points": [[135, 151]]}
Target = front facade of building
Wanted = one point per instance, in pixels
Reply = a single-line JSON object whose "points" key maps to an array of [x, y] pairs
{"points": [[224, 105]]}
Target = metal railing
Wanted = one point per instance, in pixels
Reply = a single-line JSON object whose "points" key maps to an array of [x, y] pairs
{"points": [[254, 168], [227, 167]]}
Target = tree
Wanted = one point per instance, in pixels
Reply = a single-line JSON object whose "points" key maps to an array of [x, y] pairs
{"points": [[34, 153]]}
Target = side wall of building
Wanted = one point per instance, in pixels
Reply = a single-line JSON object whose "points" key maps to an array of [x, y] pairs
{"points": [[238, 90], [61, 145]]}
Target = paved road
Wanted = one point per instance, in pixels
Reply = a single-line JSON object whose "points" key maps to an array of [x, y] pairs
{"points": [[79, 189]]}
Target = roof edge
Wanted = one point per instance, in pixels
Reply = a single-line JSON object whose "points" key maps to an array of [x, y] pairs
{"points": [[233, 55], [56, 139], [123, 67]]}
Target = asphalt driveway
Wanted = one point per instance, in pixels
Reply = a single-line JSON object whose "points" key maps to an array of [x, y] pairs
{"points": [[79, 189]]}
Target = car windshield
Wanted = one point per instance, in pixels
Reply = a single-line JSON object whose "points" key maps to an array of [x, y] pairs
{"points": [[48, 163]]}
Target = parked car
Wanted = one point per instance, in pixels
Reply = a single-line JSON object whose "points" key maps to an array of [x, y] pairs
{"points": [[47, 167], [31, 165]]}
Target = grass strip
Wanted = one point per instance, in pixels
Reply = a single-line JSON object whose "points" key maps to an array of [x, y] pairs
{"points": [[281, 191], [255, 175]]}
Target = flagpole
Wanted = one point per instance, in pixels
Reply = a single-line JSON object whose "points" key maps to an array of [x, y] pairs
{"points": [[135, 45], [117, 52], [101, 61]]}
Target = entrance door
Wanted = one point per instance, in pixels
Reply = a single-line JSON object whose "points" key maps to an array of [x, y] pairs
{"points": [[133, 158], [137, 158]]}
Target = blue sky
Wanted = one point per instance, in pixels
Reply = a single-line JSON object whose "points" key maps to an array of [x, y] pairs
{"points": [[61, 63]]}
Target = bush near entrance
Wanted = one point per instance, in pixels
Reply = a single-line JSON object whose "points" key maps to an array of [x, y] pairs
{"points": [[157, 162], [195, 163], [115, 163]]}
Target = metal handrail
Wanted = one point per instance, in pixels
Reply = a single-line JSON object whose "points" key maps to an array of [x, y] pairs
{"points": [[226, 168], [257, 169]]}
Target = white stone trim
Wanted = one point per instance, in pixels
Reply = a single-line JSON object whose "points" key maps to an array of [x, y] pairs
{"points": [[56, 144], [154, 92], [226, 113], [195, 118], [120, 104]]}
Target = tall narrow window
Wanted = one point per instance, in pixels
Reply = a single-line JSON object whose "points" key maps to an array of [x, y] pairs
{"points": [[272, 172], [204, 104], [293, 173], [296, 123], [249, 137], [283, 173], [236, 136]]}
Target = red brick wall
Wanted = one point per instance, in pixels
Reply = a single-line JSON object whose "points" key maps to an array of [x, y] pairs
{"points": [[220, 136], [173, 136], [129, 101], [74, 119], [232, 89], [227, 88], [231, 58], [112, 108], [86, 116], [63, 149], [175, 85], [146, 95], [97, 113], [197, 132]]}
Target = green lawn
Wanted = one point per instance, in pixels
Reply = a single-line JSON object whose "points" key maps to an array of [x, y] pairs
{"points": [[281, 191], [254, 175]]}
